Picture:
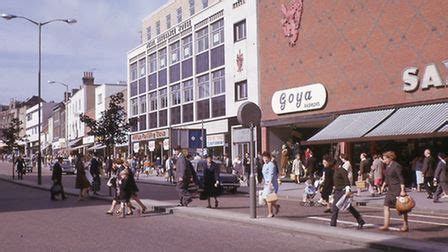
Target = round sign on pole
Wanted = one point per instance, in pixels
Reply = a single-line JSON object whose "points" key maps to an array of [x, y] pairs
{"points": [[249, 114]]}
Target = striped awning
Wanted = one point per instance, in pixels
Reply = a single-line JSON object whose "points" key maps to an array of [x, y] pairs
{"points": [[444, 128], [415, 120], [351, 126]]}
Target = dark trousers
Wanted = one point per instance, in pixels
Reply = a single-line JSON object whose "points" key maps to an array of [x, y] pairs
{"points": [[429, 185], [442, 187], [20, 174], [53, 196], [184, 195], [335, 210]]}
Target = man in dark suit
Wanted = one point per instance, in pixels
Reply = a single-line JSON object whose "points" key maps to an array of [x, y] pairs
{"points": [[57, 178], [311, 164], [183, 176], [428, 171], [95, 171], [441, 177]]}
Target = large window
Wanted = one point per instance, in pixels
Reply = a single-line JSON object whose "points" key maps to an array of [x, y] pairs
{"points": [[203, 86], [142, 122], [219, 106], [142, 102], [175, 95], [153, 120], [142, 85], [203, 109], [174, 52], [134, 89], [179, 14], [162, 58], [168, 21], [153, 101], [204, 4], [187, 47], [219, 82], [163, 98], [191, 3], [175, 115], [202, 40], [163, 118], [218, 32], [187, 112], [240, 90], [133, 71], [134, 107], [239, 30], [158, 28], [142, 67], [153, 62], [148, 33], [188, 90]]}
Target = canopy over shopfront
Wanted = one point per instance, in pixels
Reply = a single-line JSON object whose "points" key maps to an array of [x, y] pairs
{"points": [[401, 123]]}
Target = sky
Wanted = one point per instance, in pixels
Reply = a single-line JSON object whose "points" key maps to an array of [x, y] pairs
{"points": [[106, 30]]}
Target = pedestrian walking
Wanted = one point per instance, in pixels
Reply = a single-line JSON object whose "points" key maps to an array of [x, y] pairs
{"points": [[113, 184], [134, 164], [363, 174], [259, 168], [238, 169], [376, 171], [270, 175], [441, 177], [81, 181], [298, 168], [342, 186], [347, 166], [56, 177], [108, 166], [95, 172], [394, 180], [311, 166], [124, 191], [246, 165], [428, 171], [20, 167], [169, 170], [211, 180], [133, 190], [327, 184], [228, 164], [184, 177]]}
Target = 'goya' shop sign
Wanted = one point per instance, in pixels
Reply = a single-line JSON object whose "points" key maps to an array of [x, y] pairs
{"points": [[305, 98]]}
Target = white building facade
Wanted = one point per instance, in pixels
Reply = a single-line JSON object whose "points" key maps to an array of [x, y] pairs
{"points": [[32, 124], [195, 75], [102, 92]]}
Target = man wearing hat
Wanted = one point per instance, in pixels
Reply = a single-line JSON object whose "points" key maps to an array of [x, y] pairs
{"points": [[57, 179], [183, 177]]}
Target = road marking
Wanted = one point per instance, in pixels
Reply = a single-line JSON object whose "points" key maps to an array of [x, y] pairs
{"points": [[350, 223], [430, 217], [415, 221]]}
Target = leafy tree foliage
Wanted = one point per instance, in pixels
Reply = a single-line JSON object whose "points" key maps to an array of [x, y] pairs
{"points": [[11, 134]]}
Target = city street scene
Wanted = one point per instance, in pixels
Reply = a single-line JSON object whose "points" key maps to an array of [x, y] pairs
{"points": [[224, 125]]}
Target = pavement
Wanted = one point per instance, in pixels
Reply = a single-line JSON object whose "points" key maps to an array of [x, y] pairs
{"points": [[429, 221]]}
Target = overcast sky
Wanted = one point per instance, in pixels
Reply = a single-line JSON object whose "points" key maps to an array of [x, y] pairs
{"points": [[105, 31]]}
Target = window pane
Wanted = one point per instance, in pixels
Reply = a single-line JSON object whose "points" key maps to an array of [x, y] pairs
{"points": [[163, 118], [187, 47], [168, 21], [153, 101], [188, 90], [191, 2], [187, 68], [187, 112], [175, 95], [217, 56], [152, 62], [142, 67], [142, 102], [152, 81], [158, 27], [148, 33], [162, 58], [162, 77], [202, 40], [218, 32], [241, 90], [153, 120], [142, 122], [163, 98], [219, 84], [203, 109], [142, 85], [240, 30], [134, 107], [202, 62], [174, 52], [179, 14], [175, 115], [219, 106], [133, 71], [204, 4], [134, 88], [175, 73], [203, 86]]}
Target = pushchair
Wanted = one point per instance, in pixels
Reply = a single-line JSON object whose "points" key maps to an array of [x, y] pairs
{"points": [[308, 194]]}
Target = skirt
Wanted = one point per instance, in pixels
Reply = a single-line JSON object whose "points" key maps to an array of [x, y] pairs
{"points": [[419, 177]]}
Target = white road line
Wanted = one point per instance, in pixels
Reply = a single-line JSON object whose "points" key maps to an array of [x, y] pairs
{"points": [[349, 222], [415, 221], [429, 217]]}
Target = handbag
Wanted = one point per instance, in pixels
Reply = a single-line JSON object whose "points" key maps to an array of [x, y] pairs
{"points": [[272, 197], [261, 201], [404, 204], [360, 184], [344, 203]]}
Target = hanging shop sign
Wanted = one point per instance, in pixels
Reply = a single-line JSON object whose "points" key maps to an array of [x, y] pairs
{"points": [[136, 147], [88, 140], [151, 145], [149, 135], [166, 144], [305, 98], [215, 140], [431, 78]]}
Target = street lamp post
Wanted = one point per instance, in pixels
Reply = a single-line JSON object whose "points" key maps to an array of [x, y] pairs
{"points": [[39, 25]]}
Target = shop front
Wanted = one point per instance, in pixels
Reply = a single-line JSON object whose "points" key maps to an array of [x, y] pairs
{"points": [[152, 144]]}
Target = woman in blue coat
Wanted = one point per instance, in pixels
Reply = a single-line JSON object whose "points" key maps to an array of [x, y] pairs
{"points": [[270, 183]]}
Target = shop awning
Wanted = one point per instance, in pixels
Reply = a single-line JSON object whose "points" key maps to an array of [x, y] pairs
{"points": [[74, 142], [351, 126], [444, 128], [81, 146], [97, 147], [413, 121]]}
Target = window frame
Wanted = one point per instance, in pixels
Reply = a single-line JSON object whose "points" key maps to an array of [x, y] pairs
{"points": [[152, 63], [189, 89], [217, 30], [162, 53], [133, 71], [175, 51], [134, 106], [153, 101], [202, 38], [142, 98], [221, 79], [236, 29], [176, 94], [203, 86], [238, 96], [187, 42], [163, 98]]}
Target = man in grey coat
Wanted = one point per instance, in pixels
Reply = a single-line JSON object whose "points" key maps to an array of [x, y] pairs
{"points": [[441, 177], [428, 171], [183, 178]]}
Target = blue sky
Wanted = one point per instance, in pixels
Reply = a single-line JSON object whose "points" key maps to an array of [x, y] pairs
{"points": [[105, 31]]}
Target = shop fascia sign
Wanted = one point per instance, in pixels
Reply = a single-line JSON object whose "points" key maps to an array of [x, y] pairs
{"points": [[431, 78], [304, 98], [215, 140], [168, 34], [149, 135]]}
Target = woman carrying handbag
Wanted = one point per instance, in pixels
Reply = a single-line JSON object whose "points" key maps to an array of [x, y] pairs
{"points": [[270, 188]]}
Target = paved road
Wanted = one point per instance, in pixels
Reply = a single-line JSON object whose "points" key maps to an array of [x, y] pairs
{"points": [[31, 222]]}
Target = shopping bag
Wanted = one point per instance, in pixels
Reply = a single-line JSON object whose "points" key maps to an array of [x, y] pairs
{"points": [[344, 203], [261, 201], [89, 177], [272, 197]]}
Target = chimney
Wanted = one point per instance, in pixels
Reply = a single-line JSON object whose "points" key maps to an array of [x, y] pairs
{"points": [[88, 78]]}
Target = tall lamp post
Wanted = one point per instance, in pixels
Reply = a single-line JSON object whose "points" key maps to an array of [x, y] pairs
{"points": [[65, 113], [39, 25]]}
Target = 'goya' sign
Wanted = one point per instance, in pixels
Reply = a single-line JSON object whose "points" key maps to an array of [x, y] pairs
{"points": [[305, 98]]}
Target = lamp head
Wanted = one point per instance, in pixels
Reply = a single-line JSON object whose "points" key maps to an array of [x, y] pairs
{"points": [[51, 82], [71, 21], [8, 16]]}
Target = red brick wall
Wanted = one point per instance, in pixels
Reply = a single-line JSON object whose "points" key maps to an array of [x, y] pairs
{"points": [[357, 49]]}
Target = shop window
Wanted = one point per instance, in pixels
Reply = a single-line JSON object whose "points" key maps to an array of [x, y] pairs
{"points": [[153, 120], [134, 88], [217, 32], [202, 62], [152, 81], [219, 106], [187, 68], [219, 83], [239, 30], [153, 101], [203, 109], [175, 95], [142, 86], [203, 86], [153, 62], [142, 102], [163, 98], [188, 90], [241, 91], [202, 40], [142, 67], [142, 122], [133, 71], [163, 118], [134, 107], [187, 113], [217, 56], [175, 115], [174, 73]]}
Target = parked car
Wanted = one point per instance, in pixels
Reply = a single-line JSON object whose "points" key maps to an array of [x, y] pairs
{"points": [[229, 182]]}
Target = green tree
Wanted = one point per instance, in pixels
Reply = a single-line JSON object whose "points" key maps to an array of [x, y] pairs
{"points": [[11, 135], [112, 127]]}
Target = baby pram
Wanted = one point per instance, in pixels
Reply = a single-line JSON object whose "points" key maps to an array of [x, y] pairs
{"points": [[308, 194]]}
